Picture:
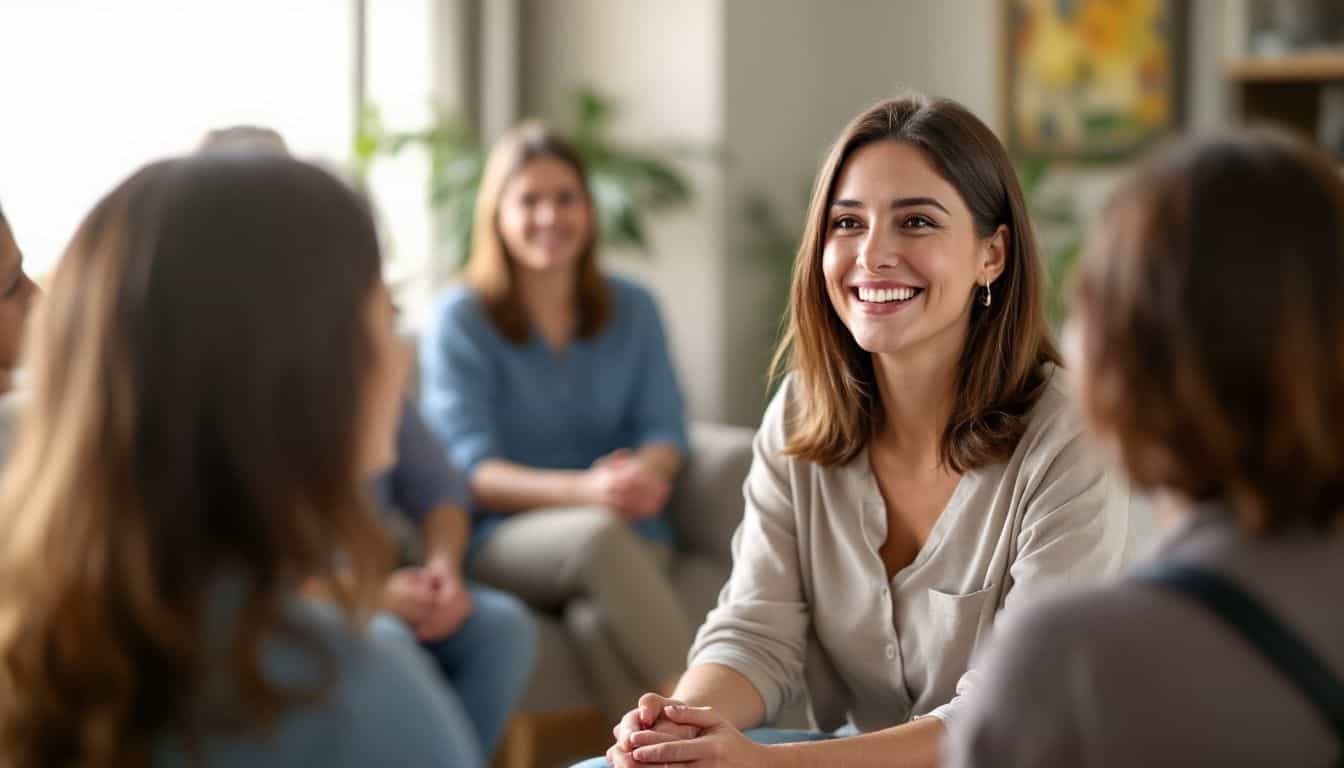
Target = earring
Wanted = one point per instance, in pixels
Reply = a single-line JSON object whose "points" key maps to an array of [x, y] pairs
{"points": [[987, 298]]}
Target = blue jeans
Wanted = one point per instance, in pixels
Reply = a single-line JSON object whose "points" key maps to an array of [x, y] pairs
{"points": [[758, 735], [486, 664]]}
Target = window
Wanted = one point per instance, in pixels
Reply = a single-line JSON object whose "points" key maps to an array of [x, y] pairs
{"points": [[96, 88]]}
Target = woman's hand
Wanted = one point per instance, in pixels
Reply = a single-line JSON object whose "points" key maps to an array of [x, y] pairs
{"points": [[433, 601], [719, 744], [646, 718], [452, 602], [622, 482], [407, 595]]}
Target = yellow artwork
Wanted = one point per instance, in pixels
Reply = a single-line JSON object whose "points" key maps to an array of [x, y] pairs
{"points": [[1091, 79]]}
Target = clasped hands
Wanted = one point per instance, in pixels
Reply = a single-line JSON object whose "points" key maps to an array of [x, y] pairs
{"points": [[663, 731], [624, 483], [432, 599]]}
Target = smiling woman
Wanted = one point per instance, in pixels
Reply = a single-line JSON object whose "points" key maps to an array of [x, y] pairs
{"points": [[551, 386], [919, 472]]}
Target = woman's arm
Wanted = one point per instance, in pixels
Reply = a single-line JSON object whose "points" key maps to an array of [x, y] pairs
{"points": [[622, 482], [663, 459], [918, 744], [446, 532], [508, 487], [725, 689]]}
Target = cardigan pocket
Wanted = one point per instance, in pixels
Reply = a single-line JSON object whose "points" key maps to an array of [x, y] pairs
{"points": [[955, 624]]}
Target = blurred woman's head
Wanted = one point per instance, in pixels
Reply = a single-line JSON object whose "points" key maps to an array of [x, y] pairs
{"points": [[917, 246], [214, 379], [243, 138], [535, 219], [17, 293], [1211, 329]]}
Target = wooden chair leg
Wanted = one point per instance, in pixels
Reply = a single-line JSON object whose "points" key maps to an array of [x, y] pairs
{"points": [[518, 747], [552, 739]]}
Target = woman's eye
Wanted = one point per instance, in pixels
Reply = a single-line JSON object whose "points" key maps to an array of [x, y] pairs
{"points": [[566, 198], [847, 222], [919, 222]]}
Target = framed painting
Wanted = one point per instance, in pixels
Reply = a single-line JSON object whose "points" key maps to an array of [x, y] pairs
{"points": [[1092, 80]]}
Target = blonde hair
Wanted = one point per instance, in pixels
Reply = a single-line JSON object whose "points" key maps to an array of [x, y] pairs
{"points": [[490, 270]]}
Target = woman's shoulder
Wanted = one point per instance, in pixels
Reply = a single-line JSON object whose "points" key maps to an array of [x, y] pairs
{"points": [[384, 685], [1054, 422], [381, 707], [630, 298], [1055, 408], [782, 413], [459, 306]]}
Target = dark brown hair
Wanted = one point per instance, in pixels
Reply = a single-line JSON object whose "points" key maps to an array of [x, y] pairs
{"points": [[490, 271], [197, 386], [1001, 372], [1213, 330]]}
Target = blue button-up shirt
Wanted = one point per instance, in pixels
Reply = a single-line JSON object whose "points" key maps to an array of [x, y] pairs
{"points": [[487, 397]]}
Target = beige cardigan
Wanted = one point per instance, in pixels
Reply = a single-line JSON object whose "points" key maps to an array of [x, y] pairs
{"points": [[807, 582]]}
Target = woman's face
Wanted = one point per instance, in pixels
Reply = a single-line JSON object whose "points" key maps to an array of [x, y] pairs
{"points": [[901, 258], [544, 216], [385, 387], [17, 293]]}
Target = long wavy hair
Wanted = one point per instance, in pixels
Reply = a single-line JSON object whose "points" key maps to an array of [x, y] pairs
{"points": [[197, 380], [1001, 373]]}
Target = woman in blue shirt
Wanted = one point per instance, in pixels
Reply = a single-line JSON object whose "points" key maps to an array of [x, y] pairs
{"points": [[551, 386]]}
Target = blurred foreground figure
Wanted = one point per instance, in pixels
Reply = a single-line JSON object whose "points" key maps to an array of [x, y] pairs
{"points": [[204, 419], [1211, 352]]}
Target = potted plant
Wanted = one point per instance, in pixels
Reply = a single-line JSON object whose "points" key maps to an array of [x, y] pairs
{"points": [[627, 184]]}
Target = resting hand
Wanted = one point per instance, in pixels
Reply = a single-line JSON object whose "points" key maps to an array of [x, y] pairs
{"points": [[719, 745], [407, 594], [646, 718], [451, 602], [622, 482]]}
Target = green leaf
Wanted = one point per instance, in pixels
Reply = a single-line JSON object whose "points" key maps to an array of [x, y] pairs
{"points": [[592, 113], [626, 184], [1031, 172]]}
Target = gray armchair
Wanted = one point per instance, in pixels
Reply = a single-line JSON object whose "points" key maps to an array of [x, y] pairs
{"points": [[558, 717]]}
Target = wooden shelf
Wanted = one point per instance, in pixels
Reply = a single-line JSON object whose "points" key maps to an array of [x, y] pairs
{"points": [[1322, 66]]}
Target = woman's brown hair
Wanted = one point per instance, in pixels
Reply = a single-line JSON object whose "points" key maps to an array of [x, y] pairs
{"points": [[490, 270], [189, 447], [1001, 372], [1212, 327]]}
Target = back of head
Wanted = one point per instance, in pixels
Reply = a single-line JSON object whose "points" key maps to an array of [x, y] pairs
{"points": [[1213, 330], [196, 383], [244, 138]]}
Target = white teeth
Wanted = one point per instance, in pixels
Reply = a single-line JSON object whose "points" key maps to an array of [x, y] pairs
{"points": [[884, 295]]}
